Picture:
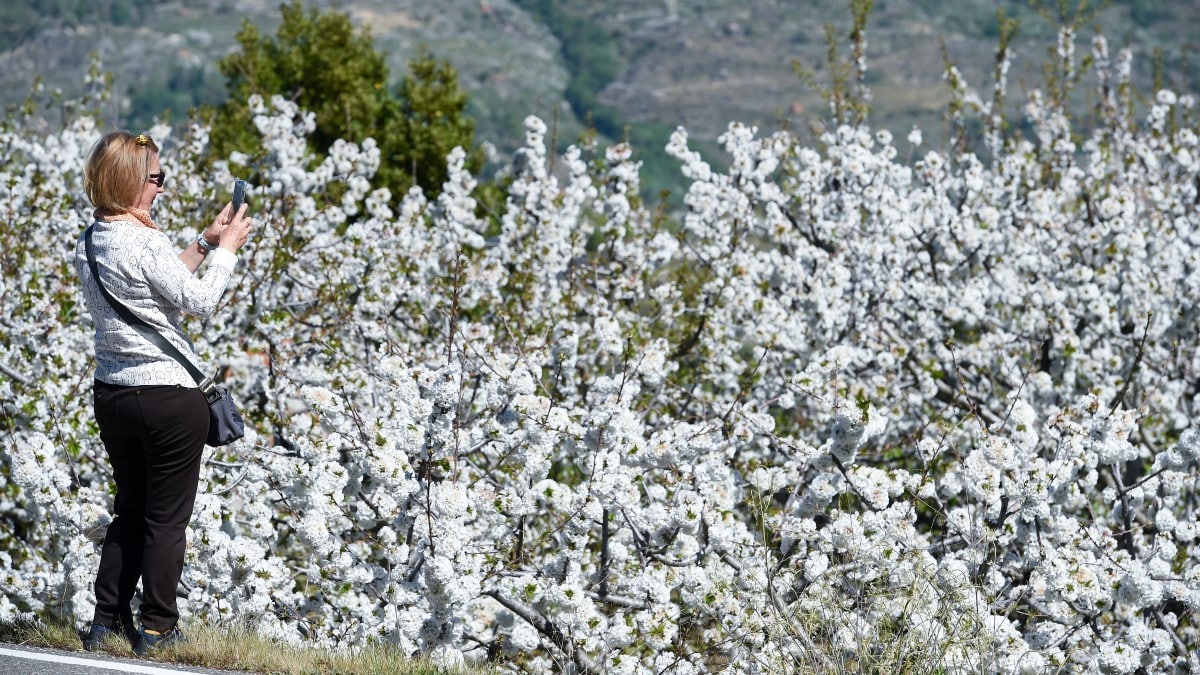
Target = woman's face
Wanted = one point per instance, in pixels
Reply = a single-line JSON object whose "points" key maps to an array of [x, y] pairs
{"points": [[151, 188]]}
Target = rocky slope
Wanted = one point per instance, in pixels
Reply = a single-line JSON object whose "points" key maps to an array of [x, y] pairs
{"points": [[700, 63]]}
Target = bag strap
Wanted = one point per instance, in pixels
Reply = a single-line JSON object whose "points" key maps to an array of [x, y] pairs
{"points": [[146, 330]]}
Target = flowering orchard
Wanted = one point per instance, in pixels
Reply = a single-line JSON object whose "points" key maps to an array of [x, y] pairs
{"points": [[860, 400]]}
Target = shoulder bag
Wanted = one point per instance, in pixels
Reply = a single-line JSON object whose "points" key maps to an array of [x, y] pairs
{"points": [[224, 421]]}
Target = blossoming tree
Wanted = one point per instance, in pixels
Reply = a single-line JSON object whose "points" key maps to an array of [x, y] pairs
{"points": [[846, 403]]}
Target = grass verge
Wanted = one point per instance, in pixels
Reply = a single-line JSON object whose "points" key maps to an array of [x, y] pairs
{"points": [[232, 648]]}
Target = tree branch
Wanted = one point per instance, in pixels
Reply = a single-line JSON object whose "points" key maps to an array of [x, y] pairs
{"points": [[547, 628]]}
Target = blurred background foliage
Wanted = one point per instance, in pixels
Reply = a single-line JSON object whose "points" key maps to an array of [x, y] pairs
{"points": [[331, 68], [469, 71]]}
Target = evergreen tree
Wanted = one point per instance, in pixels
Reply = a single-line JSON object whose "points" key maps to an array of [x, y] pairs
{"points": [[432, 120], [334, 71]]}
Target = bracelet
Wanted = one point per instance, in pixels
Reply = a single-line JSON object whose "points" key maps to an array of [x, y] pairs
{"points": [[204, 245]]}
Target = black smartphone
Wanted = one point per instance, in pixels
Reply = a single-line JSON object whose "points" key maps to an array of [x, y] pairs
{"points": [[239, 195]]}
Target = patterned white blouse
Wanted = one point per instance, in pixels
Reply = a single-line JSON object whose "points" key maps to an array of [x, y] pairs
{"points": [[140, 267]]}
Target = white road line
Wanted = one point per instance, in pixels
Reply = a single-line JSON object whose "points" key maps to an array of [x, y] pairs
{"points": [[75, 661]]}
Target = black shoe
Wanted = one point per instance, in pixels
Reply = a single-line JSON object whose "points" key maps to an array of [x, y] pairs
{"points": [[128, 628], [149, 639], [97, 636]]}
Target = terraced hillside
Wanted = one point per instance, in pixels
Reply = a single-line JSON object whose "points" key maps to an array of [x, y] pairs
{"points": [[630, 66]]}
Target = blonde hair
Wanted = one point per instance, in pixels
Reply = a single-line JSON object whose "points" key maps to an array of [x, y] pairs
{"points": [[117, 168]]}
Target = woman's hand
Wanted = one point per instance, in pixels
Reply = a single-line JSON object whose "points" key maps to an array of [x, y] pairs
{"points": [[235, 232], [212, 234], [228, 231]]}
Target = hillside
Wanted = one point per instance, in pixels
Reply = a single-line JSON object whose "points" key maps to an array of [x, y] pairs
{"points": [[643, 67]]}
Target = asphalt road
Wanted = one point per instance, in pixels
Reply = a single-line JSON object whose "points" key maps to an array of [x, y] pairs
{"points": [[19, 660]]}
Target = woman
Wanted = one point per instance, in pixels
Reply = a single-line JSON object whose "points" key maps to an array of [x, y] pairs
{"points": [[153, 419]]}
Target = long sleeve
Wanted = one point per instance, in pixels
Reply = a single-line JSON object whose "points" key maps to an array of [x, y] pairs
{"points": [[169, 277], [140, 267]]}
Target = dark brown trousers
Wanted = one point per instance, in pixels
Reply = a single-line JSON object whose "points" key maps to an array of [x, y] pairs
{"points": [[155, 437]]}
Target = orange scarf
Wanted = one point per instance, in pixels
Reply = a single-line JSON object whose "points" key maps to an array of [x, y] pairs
{"points": [[139, 216]]}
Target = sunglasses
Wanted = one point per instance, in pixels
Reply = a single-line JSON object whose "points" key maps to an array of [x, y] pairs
{"points": [[157, 178]]}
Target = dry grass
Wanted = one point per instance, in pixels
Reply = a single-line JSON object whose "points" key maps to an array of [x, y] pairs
{"points": [[241, 649], [923, 622]]}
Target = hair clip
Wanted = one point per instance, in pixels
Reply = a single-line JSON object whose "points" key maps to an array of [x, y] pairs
{"points": [[142, 140]]}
